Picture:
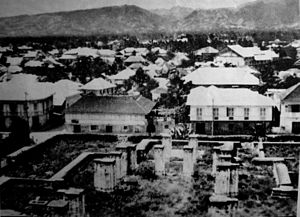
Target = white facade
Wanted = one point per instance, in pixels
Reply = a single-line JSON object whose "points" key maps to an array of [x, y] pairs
{"points": [[289, 115], [102, 122], [223, 113]]}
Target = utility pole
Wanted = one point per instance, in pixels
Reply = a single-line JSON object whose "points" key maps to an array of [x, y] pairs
{"points": [[298, 201], [213, 118], [26, 108]]}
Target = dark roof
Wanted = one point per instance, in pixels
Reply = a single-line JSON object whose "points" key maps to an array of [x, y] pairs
{"points": [[289, 91], [112, 105]]}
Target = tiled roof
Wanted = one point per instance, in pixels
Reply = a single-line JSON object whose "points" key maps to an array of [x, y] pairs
{"points": [[112, 105]]}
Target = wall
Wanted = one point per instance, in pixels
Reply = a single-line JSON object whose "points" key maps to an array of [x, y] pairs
{"points": [[119, 123], [37, 108], [254, 113]]}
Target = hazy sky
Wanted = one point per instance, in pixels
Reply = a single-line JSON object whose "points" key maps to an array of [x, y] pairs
{"points": [[17, 7]]}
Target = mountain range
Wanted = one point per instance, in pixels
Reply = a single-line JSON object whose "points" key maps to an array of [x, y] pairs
{"points": [[130, 19]]}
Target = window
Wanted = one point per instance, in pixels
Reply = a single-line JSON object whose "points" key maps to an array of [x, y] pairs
{"points": [[215, 113], [166, 126], [295, 108], [246, 113], [94, 127], [74, 121], [262, 113], [35, 106], [230, 113], [199, 113], [125, 128]]}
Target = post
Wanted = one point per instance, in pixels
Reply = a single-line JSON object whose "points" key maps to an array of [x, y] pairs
{"points": [[159, 159], [188, 162], [76, 200], [212, 124], [105, 175], [167, 143], [298, 202], [193, 142]]}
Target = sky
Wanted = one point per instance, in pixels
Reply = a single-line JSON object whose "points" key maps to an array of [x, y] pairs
{"points": [[20, 7]]}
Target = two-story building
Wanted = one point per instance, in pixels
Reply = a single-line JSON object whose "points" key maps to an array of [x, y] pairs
{"points": [[228, 111], [241, 56], [32, 102], [290, 110], [109, 114]]}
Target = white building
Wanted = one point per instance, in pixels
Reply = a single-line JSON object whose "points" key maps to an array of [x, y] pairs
{"points": [[290, 110], [98, 86], [109, 114], [228, 110]]}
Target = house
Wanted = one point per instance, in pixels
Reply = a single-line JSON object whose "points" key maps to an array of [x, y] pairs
{"points": [[109, 114], [98, 86], [222, 77], [290, 110], [121, 76], [134, 59], [22, 98], [228, 110], [206, 53], [240, 56]]}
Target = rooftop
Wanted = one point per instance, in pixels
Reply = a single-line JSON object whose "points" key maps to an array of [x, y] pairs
{"points": [[227, 97], [98, 84], [222, 76], [112, 105]]}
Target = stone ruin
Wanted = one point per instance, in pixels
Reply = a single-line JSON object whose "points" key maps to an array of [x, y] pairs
{"points": [[225, 170]]}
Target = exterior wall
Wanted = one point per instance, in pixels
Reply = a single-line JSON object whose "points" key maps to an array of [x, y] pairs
{"points": [[97, 123], [254, 113], [230, 57], [37, 114], [287, 117]]}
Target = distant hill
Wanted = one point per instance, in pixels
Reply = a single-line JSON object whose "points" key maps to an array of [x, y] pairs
{"points": [[175, 13], [262, 14], [110, 20]]}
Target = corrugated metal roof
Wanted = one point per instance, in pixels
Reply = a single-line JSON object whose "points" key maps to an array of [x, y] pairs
{"points": [[212, 95]]}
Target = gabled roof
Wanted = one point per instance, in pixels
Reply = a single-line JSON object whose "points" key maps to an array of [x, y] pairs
{"points": [[98, 84], [112, 105], [34, 63], [208, 49], [289, 91], [212, 95], [123, 75], [222, 76], [106, 53]]}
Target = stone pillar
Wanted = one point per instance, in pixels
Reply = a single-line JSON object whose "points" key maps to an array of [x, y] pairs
{"points": [[283, 174], [193, 142], [260, 148], [124, 159], [76, 201], [117, 155], [188, 161], [215, 161], [132, 157], [298, 201], [159, 160], [226, 179], [167, 143], [105, 174]]}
